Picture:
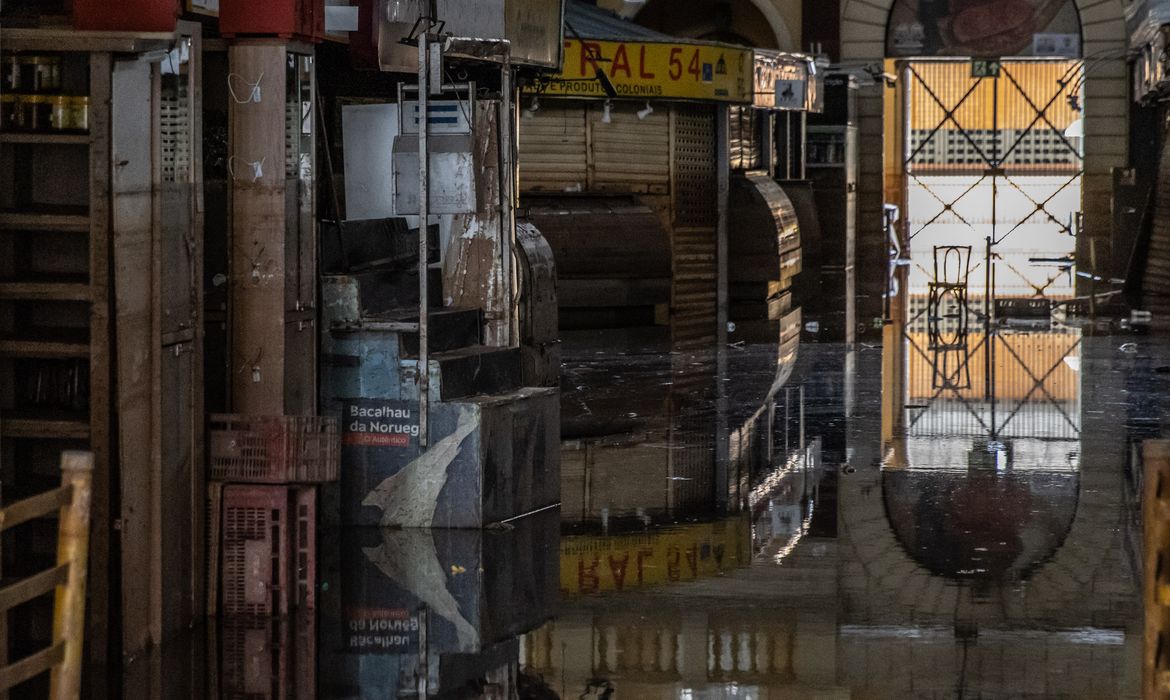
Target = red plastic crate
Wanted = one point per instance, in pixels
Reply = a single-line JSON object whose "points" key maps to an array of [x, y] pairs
{"points": [[304, 546], [255, 534], [274, 449], [269, 549], [267, 658], [290, 19], [255, 656], [126, 15]]}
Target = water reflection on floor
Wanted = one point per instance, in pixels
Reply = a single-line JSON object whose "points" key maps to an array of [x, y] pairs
{"points": [[939, 539], [861, 529]]}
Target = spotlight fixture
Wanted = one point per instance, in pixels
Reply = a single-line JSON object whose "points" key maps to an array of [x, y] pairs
{"points": [[605, 112], [645, 111]]}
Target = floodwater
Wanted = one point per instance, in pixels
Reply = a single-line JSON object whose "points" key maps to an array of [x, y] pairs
{"points": [[886, 521]]}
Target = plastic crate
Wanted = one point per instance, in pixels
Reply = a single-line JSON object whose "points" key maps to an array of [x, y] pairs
{"points": [[255, 655], [255, 535], [304, 546], [274, 449], [126, 15], [300, 19], [268, 545], [266, 658]]}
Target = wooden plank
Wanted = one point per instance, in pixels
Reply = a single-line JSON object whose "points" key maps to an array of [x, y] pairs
{"points": [[15, 347], [44, 137], [32, 587], [45, 291], [199, 545], [44, 428], [98, 608], [69, 39], [72, 553], [1156, 546], [135, 280], [38, 506], [31, 666], [44, 222]]}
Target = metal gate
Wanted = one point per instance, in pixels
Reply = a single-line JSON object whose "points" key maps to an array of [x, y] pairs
{"points": [[993, 168]]}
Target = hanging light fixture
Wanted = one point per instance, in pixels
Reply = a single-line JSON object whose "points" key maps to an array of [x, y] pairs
{"points": [[605, 112]]}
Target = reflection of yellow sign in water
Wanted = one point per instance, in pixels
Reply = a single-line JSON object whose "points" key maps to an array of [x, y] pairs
{"points": [[642, 70], [591, 564]]}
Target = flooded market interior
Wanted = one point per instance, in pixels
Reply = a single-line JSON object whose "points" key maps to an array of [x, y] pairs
{"points": [[584, 349]]}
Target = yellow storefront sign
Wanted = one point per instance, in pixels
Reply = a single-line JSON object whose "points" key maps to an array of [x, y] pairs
{"points": [[591, 564], [650, 70]]}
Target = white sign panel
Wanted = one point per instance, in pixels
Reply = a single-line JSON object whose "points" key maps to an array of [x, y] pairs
{"points": [[444, 117], [367, 133], [790, 94], [1062, 45]]}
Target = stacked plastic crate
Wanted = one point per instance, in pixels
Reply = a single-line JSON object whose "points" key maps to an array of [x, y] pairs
{"points": [[263, 498]]}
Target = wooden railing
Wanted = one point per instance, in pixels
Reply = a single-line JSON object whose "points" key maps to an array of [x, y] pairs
{"points": [[1156, 563], [62, 659]]}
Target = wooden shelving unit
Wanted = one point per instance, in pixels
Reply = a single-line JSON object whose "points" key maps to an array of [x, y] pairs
{"points": [[92, 251], [41, 224]]}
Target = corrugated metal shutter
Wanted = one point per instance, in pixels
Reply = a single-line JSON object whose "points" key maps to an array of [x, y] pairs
{"points": [[1156, 283], [693, 296], [630, 154], [565, 146], [553, 148], [744, 135]]}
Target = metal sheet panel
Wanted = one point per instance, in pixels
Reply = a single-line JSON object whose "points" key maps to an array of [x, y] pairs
{"points": [[746, 145], [694, 166], [368, 133], [532, 26], [785, 82], [452, 188], [1144, 18]]}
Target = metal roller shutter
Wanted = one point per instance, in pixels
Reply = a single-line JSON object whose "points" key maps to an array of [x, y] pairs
{"points": [[1156, 282], [630, 155], [693, 298], [553, 148]]}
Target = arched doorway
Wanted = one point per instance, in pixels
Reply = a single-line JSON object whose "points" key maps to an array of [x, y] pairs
{"points": [[866, 27], [986, 470], [757, 23]]}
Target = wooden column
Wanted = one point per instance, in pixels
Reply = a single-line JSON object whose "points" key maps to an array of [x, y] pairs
{"points": [[256, 168], [272, 238], [100, 434]]}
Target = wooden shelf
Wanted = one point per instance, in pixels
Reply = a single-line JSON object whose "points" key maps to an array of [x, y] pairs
{"points": [[76, 223], [45, 291], [46, 137], [69, 39], [44, 424], [46, 342]]}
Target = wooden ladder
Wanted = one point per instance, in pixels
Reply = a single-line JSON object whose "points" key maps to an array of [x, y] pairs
{"points": [[63, 658]]}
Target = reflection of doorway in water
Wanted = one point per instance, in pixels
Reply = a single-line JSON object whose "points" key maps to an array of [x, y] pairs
{"points": [[986, 482]]}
